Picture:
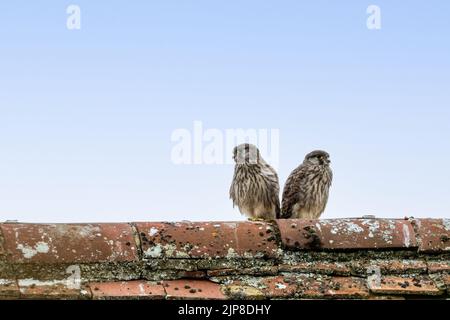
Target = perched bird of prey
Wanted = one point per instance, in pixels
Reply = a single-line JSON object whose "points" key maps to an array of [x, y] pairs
{"points": [[305, 193], [255, 187]]}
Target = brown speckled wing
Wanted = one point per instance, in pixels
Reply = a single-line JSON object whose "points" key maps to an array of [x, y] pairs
{"points": [[274, 189], [292, 192], [276, 195]]}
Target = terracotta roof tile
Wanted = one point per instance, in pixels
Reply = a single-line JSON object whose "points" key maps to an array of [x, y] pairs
{"points": [[260, 287], [285, 259], [270, 270], [438, 266], [433, 234], [347, 234], [404, 285], [207, 239], [30, 289], [446, 279], [2, 250], [199, 274], [321, 267], [347, 287], [400, 266], [385, 297], [193, 289], [137, 289], [69, 243], [9, 289]]}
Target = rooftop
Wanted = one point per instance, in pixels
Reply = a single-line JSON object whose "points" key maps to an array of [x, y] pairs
{"points": [[364, 258]]}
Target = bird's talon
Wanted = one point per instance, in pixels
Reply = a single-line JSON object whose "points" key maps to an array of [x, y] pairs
{"points": [[256, 219]]}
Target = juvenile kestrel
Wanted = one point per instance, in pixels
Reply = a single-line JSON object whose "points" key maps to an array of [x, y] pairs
{"points": [[255, 187], [305, 193]]}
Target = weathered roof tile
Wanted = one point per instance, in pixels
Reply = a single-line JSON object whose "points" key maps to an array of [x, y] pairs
{"points": [[271, 270], [135, 289], [347, 287], [321, 267], [208, 239], [422, 285], [2, 250], [31, 289], [332, 287], [193, 290], [69, 243], [9, 289], [438, 266], [260, 287], [347, 234]]}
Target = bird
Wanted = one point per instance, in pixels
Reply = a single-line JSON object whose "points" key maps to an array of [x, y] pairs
{"points": [[305, 193], [255, 187]]}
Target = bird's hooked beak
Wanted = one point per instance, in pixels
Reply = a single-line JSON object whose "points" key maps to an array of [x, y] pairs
{"points": [[324, 160]]}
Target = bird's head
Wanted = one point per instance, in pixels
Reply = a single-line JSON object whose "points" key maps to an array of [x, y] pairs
{"points": [[246, 153], [318, 157]]}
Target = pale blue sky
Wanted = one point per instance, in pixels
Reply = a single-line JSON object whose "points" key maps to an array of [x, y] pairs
{"points": [[86, 116]]}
